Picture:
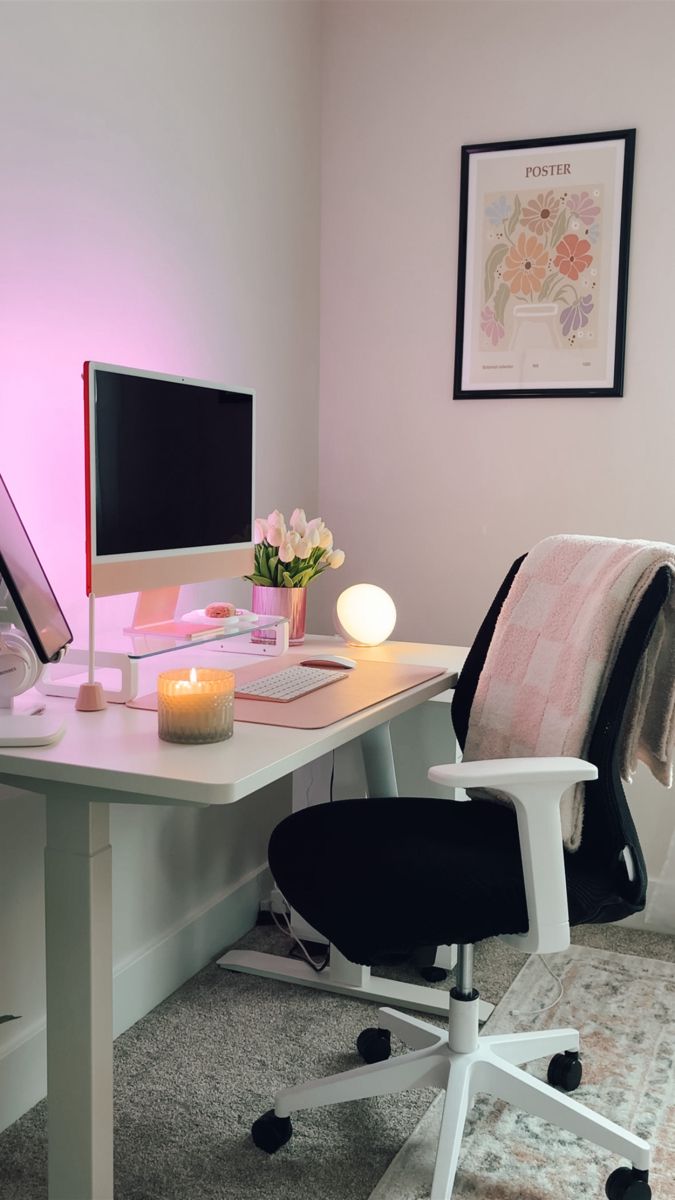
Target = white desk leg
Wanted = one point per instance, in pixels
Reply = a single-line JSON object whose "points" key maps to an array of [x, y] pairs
{"points": [[378, 761], [78, 900]]}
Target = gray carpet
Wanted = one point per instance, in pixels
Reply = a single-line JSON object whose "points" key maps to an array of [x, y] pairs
{"points": [[192, 1075]]}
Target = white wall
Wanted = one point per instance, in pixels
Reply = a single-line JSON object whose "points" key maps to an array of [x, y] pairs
{"points": [[433, 498], [159, 207]]}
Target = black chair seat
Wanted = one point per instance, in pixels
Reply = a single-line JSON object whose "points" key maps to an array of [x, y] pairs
{"points": [[380, 877]]}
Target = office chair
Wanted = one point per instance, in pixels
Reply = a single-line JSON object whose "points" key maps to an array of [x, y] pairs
{"points": [[425, 871]]}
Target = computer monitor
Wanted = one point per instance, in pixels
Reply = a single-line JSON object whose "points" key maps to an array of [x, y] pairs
{"points": [[30, 590], [169, 480]]}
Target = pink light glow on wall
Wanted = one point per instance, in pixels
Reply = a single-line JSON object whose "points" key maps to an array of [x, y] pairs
{"points": [[101, 289], [156, 211]]}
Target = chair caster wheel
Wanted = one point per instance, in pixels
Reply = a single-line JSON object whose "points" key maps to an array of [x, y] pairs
{"points": [[627, 1183], [564, 1071], [433, 974], [374, 1045], [271, 1132]]}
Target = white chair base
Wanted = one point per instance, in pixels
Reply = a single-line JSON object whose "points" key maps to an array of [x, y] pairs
{"points": [[486, 1064]]}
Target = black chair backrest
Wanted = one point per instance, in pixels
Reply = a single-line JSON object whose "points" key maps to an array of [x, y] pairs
{"points": [[608, 828]]}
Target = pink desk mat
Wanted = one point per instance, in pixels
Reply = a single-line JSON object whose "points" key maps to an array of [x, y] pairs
{"points": [[366, 684]]}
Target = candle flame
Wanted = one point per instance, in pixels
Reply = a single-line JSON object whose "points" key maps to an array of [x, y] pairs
{"points": [[193, 675]]}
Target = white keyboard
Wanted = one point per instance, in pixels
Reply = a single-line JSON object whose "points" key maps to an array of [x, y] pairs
{"points": [[288, 684]]}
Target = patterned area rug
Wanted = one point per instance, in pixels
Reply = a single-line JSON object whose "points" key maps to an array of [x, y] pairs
{"points": [[624, 1009]]}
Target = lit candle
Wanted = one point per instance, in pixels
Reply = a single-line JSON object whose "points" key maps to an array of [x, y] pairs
{"points": [[195, 705]]}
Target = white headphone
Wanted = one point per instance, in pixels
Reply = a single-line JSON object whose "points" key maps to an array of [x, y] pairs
{"points": [[20, 667]]}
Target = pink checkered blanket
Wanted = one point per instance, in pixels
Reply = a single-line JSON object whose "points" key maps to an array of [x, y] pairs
{"points": [[554, 645]]}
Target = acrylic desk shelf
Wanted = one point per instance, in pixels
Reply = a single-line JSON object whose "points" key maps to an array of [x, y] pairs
{"points": [[138, 646], [121, 653]]}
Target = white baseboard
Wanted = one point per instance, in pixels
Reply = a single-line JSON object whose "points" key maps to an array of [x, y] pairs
{"points": [[659, 912], [659, 915], [140, 983], [23, 1072]]}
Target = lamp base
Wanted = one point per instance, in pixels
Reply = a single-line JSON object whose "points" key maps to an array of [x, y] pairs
{"points": [[90, 698]]}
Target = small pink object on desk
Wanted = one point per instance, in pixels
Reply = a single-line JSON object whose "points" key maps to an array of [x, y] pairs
{"points": [[220, 609]]}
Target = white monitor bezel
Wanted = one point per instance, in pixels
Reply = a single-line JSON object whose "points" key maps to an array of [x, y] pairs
{"points": [[118, 574]]}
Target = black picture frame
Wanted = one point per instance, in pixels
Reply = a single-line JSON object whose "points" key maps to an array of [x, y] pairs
{"points": [[560, 217]]}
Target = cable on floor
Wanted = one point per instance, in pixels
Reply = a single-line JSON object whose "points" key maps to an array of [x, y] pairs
{"points": [[531, 1012]]}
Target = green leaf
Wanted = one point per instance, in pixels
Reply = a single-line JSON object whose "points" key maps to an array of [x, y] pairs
{"points": [[548, 285], [500, 302], [515, 216], [493, 260], [559, 228], [263, 568], [259, 579], [288, 580]]}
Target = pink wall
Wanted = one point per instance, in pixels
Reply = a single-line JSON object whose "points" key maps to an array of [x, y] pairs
{"points": [[158, 208]]}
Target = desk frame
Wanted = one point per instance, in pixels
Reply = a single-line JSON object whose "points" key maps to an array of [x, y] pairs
{"points": [[79, 785]]}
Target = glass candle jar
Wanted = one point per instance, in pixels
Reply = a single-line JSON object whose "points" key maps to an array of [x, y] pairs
{"points": [[195, 705]]}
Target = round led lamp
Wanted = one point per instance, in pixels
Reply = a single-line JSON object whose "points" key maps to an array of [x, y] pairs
{"points": [[365, 615]]}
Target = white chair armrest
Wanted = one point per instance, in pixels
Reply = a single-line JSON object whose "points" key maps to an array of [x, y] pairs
{"points": [[536, 787], [502, 773]]}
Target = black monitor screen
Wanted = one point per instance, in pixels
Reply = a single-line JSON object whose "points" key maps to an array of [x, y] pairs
{"points": [[27, 584], [174, 465]]}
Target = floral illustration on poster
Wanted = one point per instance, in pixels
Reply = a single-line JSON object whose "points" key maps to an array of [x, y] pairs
{"points": [[541, 252], [544, 267]]}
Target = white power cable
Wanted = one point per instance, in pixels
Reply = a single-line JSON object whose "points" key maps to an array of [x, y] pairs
{"points": [[530, 1012], [288, 930]]}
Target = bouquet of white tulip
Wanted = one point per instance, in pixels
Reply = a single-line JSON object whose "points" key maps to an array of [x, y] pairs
{"points": [[289, 556]]}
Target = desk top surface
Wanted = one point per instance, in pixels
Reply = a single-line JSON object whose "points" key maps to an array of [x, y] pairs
{"points": [[118, 750]]}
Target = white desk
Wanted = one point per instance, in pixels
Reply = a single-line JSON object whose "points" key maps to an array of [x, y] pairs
{"points": [[115, 756]]}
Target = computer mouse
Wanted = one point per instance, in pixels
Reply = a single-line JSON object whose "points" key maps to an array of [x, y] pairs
{"points": [[329, 660]]}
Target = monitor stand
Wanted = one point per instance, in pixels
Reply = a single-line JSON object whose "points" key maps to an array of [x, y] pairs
{"points": [[155, 616]]}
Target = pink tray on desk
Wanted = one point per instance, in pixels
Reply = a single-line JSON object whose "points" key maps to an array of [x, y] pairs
{"points": [[366, 684]]}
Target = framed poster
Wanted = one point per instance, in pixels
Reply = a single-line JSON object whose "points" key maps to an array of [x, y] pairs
{"points": [[543, 266]]}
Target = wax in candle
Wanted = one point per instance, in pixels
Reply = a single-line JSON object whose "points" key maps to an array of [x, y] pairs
{"points": [[195, 705]]}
